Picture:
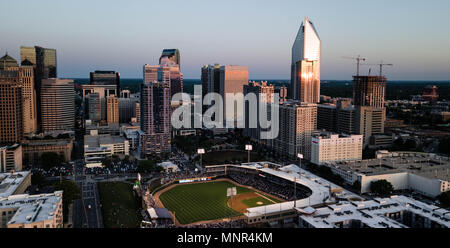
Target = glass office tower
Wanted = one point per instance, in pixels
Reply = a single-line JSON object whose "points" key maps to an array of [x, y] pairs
{"points": [[305, 67]]}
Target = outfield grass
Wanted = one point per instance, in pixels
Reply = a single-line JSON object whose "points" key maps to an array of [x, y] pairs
{"points": [[120, 208], [201, 201]]}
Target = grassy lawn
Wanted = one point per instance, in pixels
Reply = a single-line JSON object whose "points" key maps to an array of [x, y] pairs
{"points": [[221, 157], [201, 201], [120, 208]]}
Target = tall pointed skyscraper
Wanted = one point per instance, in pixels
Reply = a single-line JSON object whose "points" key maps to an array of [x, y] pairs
{"points": [[305, 68]]}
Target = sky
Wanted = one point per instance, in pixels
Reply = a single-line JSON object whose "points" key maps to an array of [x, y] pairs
{"points": [[124, 35]]}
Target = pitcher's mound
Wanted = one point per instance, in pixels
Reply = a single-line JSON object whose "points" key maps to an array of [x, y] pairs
{"points": [[260, 203]]}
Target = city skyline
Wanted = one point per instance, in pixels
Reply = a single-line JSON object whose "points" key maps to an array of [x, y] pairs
{"points": [[376, 30]]}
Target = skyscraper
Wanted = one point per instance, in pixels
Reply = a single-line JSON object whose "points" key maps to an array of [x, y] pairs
{"points": [[155, 118], [232, 80], [171, 54], [26, 79], [210, 77], [45, 66], [305, 67], [11, 110], [112, 112], [297, 124], [105, 78], [369, 91], [166, 72], [58, 105], [370, 113]]}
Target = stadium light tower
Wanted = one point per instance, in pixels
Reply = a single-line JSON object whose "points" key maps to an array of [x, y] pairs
{"points": [[230, 193], [300, 156], [201, 151], [248, 148]]}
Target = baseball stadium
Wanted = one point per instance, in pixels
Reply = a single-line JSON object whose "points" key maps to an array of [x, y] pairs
{"points": [[266, 195]]}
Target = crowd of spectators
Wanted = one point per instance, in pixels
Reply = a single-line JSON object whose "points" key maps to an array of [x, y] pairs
{"points": [[274, 186]]}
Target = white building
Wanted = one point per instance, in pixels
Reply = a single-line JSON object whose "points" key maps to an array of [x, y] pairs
{"points": [[329, 147], [425, 173], [393, 212], [97, 147], [169, 166]]}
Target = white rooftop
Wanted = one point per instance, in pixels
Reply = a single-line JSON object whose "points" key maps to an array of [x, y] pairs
{"points": [[32, 208], [9, 182]]}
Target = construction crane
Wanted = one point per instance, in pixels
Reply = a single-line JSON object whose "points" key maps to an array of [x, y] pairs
{"points": [[381, 64], [358, 62]]}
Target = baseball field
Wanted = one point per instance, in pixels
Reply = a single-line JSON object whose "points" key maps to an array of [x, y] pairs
{"points": [[198, 202]]}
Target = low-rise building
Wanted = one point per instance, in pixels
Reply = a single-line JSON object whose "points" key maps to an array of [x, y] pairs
{"points": [[168, 166], [13, 183], [33, 149], [98, 146], [32, 211], [393, 212], [329, 147], [425, 173], [11, 158]]}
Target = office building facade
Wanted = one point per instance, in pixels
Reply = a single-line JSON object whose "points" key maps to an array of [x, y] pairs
{"points": [[305, 66], [57, 105], [155, 118]]}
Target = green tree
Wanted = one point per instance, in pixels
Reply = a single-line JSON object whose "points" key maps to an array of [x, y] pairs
{"points": [[49, 160], [381, 187], [107, 162], [146, 166]]}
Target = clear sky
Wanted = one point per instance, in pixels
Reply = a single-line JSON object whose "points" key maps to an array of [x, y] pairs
{"points": [[124, 35]]}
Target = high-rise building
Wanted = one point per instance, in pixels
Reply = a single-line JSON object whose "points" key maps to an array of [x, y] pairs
{"points": [[305, 67], [155, 118], [11, 102], [369, 121], [166, 72], [26, 78], [232, 80], [94, 109], [45, 66], [99, 94], [369, 91], [297, 124], [263, 92], [112, 111], [127, 106], [105, 78], [58, 105], [210, 78], [171, 54]]}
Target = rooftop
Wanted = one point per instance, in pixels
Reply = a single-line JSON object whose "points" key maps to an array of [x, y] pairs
{"points": [[373, 213], [9, 182], [424, 164], [32, 208]]}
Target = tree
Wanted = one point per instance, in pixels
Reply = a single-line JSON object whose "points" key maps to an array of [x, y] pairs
{"points": [[49, 160], [146, 166], [107, 162], [381, 187], [444, 198]]}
